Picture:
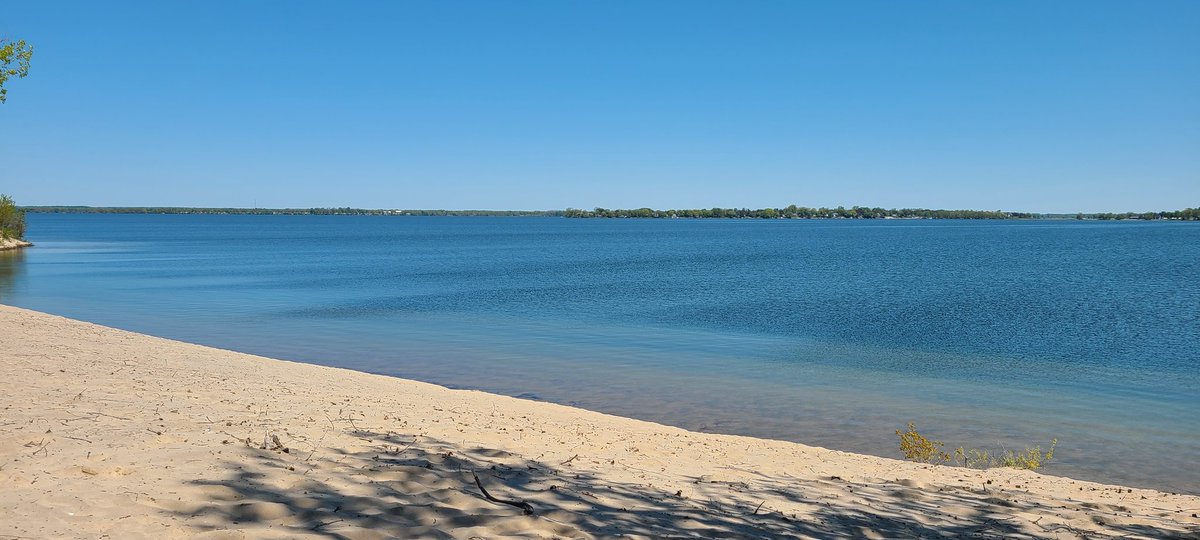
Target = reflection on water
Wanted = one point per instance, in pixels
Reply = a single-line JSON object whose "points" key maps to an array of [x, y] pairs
{"points": [[12, 265]]}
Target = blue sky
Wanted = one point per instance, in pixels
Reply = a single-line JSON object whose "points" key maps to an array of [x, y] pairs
{"points": [[1035, 106]]}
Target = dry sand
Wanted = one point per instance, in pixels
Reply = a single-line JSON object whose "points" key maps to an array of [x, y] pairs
{"points": [[107, 433]]}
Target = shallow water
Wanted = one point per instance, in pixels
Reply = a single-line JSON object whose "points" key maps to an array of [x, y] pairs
{"points": [[833, 333]]}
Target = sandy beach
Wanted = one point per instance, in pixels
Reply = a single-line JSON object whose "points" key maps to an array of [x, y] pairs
{"points": [[108, 433]]}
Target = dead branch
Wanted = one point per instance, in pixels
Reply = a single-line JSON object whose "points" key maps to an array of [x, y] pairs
{"points": [[525, 507]]}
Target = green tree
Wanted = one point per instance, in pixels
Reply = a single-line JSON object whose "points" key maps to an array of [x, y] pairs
{"points": [[14, 62], [12, 219]]}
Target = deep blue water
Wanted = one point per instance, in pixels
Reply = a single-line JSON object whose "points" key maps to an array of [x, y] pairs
{"points": [[833, 333]]}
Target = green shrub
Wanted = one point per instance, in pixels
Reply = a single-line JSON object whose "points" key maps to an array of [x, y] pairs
{"points": [[12, 219], [973, 458], [1031, 458], [917, 447]]}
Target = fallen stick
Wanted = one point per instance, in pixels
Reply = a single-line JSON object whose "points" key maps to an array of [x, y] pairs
{"points": [[319, 525], [524, 506], [44, 443]]}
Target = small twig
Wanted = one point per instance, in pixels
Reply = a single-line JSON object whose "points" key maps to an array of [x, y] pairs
{"points": [[319, 525], [110, 416], [42, 448], [234, 436], [400, 450], [570, 460], [757, 508], [525, 507]]}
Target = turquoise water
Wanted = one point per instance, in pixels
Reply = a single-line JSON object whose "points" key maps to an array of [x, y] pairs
{"points": [[833, 333]]}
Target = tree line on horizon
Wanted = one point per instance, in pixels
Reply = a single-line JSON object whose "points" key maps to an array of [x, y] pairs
{"points": [[862, 212], [799, 212], [342, 211], [788, 212], [1187, 214]]}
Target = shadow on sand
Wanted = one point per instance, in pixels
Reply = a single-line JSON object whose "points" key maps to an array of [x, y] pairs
{"points": [[418, 487]]}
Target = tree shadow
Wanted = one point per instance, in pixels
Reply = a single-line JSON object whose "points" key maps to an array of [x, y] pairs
{"points": [[419, 487]]}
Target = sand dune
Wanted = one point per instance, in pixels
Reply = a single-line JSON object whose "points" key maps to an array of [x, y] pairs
{"points": [[106, 433]]}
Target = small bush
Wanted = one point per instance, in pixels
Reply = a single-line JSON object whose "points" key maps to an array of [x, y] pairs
{"points": [[917, 447], [973, 458], [12, 219], [1031, 458]]}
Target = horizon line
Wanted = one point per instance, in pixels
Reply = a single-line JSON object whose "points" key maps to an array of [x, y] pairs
{"points": [[50, 208]]}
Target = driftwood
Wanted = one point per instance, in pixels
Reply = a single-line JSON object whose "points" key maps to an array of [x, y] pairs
{"points": [[526, 508]]}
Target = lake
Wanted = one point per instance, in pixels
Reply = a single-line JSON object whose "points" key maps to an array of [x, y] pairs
{"points": [[835, 333]]}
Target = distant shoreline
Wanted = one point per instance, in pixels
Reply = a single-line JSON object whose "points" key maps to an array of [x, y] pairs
{"points": [[789, 212]]}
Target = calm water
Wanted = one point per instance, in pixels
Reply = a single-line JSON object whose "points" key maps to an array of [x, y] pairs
{"points": [[832, 333]]}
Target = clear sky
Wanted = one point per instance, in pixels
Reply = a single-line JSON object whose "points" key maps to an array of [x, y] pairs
{"points": [[1045, 106]]}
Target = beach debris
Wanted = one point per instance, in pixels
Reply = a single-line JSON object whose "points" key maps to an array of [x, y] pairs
{"points": [[525, 507], [319, 525], [42, 444]]}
